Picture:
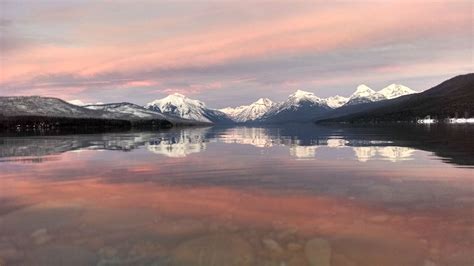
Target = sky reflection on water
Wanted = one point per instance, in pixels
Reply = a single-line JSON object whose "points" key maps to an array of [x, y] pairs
{"points": [[371, 196]]}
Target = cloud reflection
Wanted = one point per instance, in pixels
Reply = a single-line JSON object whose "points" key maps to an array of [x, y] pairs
{"points": [[308, 143]]}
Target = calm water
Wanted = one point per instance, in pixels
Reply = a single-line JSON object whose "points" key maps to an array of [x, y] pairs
{"points": [[295, 196]]}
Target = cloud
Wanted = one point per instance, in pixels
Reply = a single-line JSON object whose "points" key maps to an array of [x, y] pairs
{"points": [[96, 50]]}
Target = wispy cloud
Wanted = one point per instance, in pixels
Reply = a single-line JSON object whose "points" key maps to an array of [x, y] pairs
{"points": [[99, 47]]}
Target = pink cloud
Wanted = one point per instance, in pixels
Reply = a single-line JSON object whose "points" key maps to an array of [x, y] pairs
{"points": [[317, 30], [140, 83]]}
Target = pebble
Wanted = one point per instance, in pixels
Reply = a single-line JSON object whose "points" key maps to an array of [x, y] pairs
{"points": [[428, 263], [43, 239], [340, 259], [41, 236], [298, 260], [39, 232], [107, 252], [94, 243], [294, 246], [147, 249], [214, 250], [180, 227], [318, 252], [9, 252], [61, 255], [272, 245], [287, 233], [19, 222]]}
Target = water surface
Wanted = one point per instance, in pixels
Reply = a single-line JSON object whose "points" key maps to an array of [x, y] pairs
{"points": [[296, 195]]}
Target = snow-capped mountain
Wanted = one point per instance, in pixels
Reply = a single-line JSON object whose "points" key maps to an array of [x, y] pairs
{"points": [[178, 105], [364, 94], [49, 107], [300, 106], [137, 112], [36, 106], [336, 101], [246, 113], [395, 90], [299, 97]]}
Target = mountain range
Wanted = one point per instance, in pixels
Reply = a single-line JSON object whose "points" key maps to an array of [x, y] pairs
{"points": [[452, 98], [301, 106], [47, 113]]}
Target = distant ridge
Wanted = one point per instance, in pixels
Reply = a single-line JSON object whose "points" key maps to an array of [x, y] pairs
{"points": [[248, 113], [25, 113], [451, 98], [303, 106], [138, 112]]}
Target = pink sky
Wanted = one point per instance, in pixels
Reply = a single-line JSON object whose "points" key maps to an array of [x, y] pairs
{"points": [[228, 53]]}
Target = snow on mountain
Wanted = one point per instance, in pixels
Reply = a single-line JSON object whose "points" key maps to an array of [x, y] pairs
{"points": [[300, 106], [395, 90], [301, 96], [47, 106], [36, 106], [364, 94], [297, 99], [127, 108], [178, 105], [336, 101], [250, 112], [81, 103]]}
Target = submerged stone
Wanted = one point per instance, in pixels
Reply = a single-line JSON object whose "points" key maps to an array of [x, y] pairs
{"points": [[318, 252], [215, 250], [61, 255], [47, 216], [293, 246], [272, 245]]}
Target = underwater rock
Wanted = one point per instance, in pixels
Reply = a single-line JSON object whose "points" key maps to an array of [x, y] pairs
{"points": [[214, 250]]}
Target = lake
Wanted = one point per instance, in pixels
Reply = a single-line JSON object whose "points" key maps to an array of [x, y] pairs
{"points": [[295, 195]]}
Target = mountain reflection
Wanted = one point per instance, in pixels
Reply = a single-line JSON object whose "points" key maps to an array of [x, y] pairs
{"points": [[179, 144], [390, 153], [303, 142]]}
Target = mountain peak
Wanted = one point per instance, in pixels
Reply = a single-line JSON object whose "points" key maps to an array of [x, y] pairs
{"points": [[364, 94], [336, 101], [301, 93], [178, 105], [250, 112], [176, 99], [264, 101], [395, 90], [363, 89]]}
